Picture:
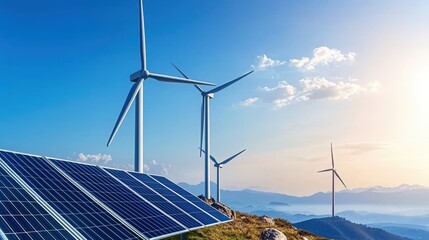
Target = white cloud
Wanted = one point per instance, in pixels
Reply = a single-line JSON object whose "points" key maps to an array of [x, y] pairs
{"points": [[263, 62], [156, 167], [249, 102], [322, 56], [312, 88], [319, 88], [282, 94], [94, 157]]}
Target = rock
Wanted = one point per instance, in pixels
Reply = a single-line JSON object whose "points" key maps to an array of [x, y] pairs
{"points": [[268, 220], [224, 209], [209, 201], [219, 206], [272, 234]]}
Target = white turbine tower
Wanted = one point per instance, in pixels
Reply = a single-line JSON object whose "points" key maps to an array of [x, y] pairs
{"points": [[220, 165], [136, 93], [205, 123], [334, 173]]}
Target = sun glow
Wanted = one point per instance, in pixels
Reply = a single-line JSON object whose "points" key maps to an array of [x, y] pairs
{"points": [[420, 91]]}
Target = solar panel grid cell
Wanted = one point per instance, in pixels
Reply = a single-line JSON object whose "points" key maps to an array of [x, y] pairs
{"points": [[156, 199], [92, 221], [22, 217], [215, 213], [179, 201], [144, 217]]}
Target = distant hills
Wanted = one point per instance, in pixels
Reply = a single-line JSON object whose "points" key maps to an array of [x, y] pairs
{"points": [[400, 195], [414, 232], [341, 229]]}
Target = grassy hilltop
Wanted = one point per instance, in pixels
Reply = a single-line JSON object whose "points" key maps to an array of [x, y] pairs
{"points": [[246, 227]]}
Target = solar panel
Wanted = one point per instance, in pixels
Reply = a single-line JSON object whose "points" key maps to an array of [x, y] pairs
{"points": [[176, 188], [158, 200], [178, 200], [122, 200], [22, 217], [88, 217]]}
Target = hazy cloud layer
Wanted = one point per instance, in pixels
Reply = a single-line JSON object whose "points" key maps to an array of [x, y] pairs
{"points": [[156, 167], [312, 88], [360, 148], [263, 62], [94, 158], [322, 56]]}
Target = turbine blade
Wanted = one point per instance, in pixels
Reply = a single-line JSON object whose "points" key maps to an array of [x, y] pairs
{"points": [[142, 38], [130, 98], [180, 71], [232, 157], [199, 89], [228, 83], [326, 170], [202, 124], [165, 78], [338, 176], [211, 157], [332, 157], [185, 76]]}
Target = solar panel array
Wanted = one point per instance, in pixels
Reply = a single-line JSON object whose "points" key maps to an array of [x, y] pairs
{"points": [[75, 206], [195, 200], [22, 217], [44, 198], [178, 200], [159, 201]]}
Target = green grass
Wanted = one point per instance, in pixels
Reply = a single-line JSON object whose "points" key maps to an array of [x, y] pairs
{"points": [[246, 227]]}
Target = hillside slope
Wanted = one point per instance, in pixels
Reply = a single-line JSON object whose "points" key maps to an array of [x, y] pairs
{"points": [[247, 227], [339, 228]]}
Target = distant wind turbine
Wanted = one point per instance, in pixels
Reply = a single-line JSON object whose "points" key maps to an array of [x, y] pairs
{"points": [[136, 93], [334, 173], [219, 166], [205, 123]]}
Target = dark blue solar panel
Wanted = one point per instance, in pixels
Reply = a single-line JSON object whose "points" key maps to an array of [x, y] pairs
{"points": [[91, 220], [215, 213], [129, 206], [179, 201], [22, 217], [155, 199]]}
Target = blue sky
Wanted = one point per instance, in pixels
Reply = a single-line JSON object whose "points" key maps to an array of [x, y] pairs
{"points": [[65, 66]]}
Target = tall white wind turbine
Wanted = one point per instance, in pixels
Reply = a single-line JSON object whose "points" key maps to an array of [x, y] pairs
{"points": [[136, 93], [205, 123], [334, 173], [218, 166]]}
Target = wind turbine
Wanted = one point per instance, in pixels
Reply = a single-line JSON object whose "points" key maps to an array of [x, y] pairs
{"points": [[334, 173], [219, 166], [136, 93], [205, 123]]}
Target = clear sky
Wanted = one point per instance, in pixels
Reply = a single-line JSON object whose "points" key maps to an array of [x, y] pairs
{"points": [[351, 72]]}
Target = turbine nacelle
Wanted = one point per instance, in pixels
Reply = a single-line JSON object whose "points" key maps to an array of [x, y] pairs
{"points": [[139, 75], [210, 95]]}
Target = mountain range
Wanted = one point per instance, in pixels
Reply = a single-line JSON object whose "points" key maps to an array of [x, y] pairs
{"points": [[401, 195], [340, 228]]}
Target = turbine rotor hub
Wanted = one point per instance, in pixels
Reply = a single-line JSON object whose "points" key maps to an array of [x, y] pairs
{"points": [[144, 74]]}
